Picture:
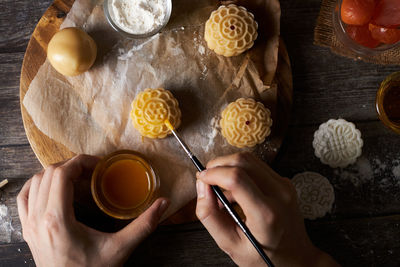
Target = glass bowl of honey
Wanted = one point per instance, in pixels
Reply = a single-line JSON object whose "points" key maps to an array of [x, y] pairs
{"points": [[124, 184], [388, 102]]}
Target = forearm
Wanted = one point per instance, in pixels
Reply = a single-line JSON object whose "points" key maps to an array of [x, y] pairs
{"points": [[323, 259]]}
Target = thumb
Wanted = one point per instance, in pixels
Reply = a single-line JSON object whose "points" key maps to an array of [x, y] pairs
{"points": [[216, 220], [135, 232]]}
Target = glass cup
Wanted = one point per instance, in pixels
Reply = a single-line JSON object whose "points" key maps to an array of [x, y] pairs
{"points": [[340, 30], [388, 102], [109, 14], [100, 180]]}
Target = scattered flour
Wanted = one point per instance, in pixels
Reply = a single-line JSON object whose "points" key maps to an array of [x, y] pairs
{"points": [[212, 134], [364, 169], [139, 16], [198, 44], [358, 173], [348, 176], [396, 171], [3, 211], [380, 167], [201, 50], [377, 173], [204, 72], [128, 54], [6, 228], [178, 29]]}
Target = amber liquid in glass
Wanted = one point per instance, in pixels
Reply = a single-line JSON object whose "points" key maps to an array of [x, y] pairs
{"points": [[391, 102], [126, 183]]}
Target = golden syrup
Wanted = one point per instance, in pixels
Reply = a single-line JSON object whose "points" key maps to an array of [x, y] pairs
{"points": [[126, 183], [388, 102], [391, 103]]}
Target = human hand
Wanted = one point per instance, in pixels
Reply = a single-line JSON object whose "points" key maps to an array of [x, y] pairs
{"points": [[56, 238], [269, 203]]}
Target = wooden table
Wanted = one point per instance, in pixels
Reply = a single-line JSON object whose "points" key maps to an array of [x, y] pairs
{"points": [[364, 227]]}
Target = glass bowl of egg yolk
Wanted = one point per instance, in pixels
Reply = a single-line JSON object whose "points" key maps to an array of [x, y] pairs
{"points": [[124, 184], [367, 27]]}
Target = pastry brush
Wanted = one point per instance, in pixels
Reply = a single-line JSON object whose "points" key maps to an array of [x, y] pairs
{"points": [[220, 195]]}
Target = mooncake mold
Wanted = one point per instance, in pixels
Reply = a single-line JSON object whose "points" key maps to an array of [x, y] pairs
{"points": [[337, 143], [315, 194], [151, 108], [245, 123], [230, 30]]}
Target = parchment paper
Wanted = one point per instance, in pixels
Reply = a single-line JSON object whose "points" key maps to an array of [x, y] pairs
{"points": [[89, 113]]}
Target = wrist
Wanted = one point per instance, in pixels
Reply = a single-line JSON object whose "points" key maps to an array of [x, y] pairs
{"points": [[325, 260], [319, 258], [306, 255]]}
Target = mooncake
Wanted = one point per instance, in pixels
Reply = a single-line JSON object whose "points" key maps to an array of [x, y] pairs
{"points": [[245, 123], [151, 108], [337, 143], [230, 30], [71, 51], [315, 194]]}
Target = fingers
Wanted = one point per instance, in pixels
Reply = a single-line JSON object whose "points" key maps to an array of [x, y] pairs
{"points": [[216, 220], [34, 190], [238, 159], [229, 197], [135, 232], [22, 201], [265, 178], [245, 160], [235, 180], [35, 194], [61, 189], [43, 193]]}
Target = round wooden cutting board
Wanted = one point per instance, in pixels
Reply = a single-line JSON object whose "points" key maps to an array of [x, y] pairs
{"points": [[49, 151]]}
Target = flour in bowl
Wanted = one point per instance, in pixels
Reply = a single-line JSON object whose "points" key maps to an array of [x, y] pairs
{"points": [[138, 16]]}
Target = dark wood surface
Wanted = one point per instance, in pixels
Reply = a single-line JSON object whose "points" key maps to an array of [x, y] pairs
{"points": [[364, 227]]}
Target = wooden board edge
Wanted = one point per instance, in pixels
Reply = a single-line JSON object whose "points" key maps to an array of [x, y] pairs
{"points": [[53, 16]]}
